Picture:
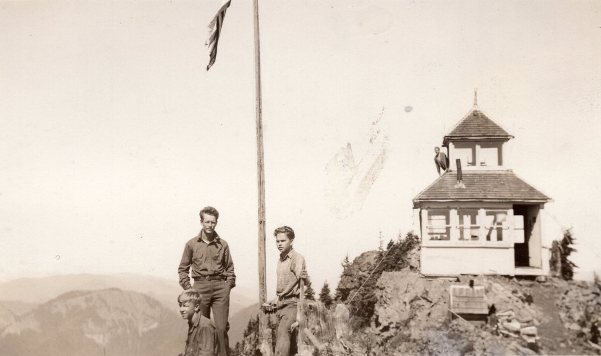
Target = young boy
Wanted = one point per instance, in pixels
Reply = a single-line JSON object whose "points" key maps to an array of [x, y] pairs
{"points": [[290, 270], [202, 338]]}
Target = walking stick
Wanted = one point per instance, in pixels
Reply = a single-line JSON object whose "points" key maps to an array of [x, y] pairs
{"points": [[300, 317]]}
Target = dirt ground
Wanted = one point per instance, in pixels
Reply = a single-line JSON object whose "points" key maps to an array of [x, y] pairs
{"points": [[555, 338]]}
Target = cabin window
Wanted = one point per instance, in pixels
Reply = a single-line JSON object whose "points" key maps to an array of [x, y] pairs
{"points": [[489, 154], [495, 224], [466, 152], [468, 225], [439, 227]]}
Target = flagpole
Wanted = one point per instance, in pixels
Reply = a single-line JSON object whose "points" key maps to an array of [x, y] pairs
{"points": [[264, 332]]}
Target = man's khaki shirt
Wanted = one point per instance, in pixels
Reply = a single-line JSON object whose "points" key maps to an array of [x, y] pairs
{"points": [[290, 268], [206, 259]]}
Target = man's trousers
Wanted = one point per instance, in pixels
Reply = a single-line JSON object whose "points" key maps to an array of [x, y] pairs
{"points": [[287, 316], [215, 295]]}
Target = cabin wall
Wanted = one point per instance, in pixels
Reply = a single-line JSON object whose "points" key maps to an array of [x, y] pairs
{"points": [[463, 260], [477, 238]]}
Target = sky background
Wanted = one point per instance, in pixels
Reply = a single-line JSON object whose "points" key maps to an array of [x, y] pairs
{"points": [[113, 135]]}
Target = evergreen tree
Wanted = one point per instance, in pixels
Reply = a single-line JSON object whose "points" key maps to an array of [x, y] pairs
{"points": [[390, 244], [364, 297], [309, 293], [250, 340], [347, 274], [346, 262], [324, 295], [566, 248], [338, 295], [238, 350]]}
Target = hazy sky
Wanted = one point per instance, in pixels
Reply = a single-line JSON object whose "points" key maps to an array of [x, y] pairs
{"points": [[113, 135]]}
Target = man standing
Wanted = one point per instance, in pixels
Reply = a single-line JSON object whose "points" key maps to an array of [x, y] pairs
{"points": [[441, 161], [291, 269], [208, 256]]}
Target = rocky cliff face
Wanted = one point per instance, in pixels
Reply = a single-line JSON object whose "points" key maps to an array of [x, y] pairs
{"points": [[102, 322], [406, 301], [412, 316], [357, 284]]}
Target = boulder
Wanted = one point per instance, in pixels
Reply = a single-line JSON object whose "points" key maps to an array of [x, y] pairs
{"points": [[407, 300], [512, 326]]}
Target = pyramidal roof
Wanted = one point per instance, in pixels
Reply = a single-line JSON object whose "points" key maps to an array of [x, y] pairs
{"points": [[476, 125], [491, 186]]}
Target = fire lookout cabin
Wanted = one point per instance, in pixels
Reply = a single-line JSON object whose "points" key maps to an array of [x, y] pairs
{"points": [[479, 217]]}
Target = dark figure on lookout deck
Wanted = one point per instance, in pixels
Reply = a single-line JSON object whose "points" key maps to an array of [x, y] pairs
{"points": [[441, 160], [208, 256]]}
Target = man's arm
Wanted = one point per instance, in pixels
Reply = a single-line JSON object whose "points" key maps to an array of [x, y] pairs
{"points": [[184, 268], [229, 268]]}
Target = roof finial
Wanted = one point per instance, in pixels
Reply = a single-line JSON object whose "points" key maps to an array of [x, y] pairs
{"points": [[475, 98]]}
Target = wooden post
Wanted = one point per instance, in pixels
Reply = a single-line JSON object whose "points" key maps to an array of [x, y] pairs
{"points": [[459, 183], [300, 316], [264, 332], [454, 222]]}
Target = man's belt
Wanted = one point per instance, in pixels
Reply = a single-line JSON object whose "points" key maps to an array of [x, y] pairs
{"points": [[212, 277]]}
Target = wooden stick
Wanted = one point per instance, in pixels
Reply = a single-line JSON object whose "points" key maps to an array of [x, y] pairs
{"points": [[300, 315], [264, 332], [594, 346], [313, 339]]}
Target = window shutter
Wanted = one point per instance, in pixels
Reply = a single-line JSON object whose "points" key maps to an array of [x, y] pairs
{"points": [[519, 236]]}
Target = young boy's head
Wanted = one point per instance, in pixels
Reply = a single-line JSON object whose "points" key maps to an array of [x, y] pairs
{"points": [[283, 238], [189, 303]]}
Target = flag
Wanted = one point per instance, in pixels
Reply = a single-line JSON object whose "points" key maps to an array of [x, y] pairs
{"points": [[215, 31]]}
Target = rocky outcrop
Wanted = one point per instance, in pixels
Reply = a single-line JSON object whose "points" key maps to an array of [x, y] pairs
{"points": [[580, 307], [412, 317], [406, 300]]}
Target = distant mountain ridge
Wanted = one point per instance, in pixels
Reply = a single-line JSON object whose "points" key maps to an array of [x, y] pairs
{"points": [[109, 321], [238, 322], [20, 295], [42, 289], [7, 317]]}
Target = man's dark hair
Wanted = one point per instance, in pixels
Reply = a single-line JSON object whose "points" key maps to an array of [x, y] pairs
{"points": [[209, 210], [286, 230]]}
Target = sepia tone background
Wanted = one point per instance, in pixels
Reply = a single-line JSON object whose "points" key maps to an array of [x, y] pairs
{"points": [[113, 135]]}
